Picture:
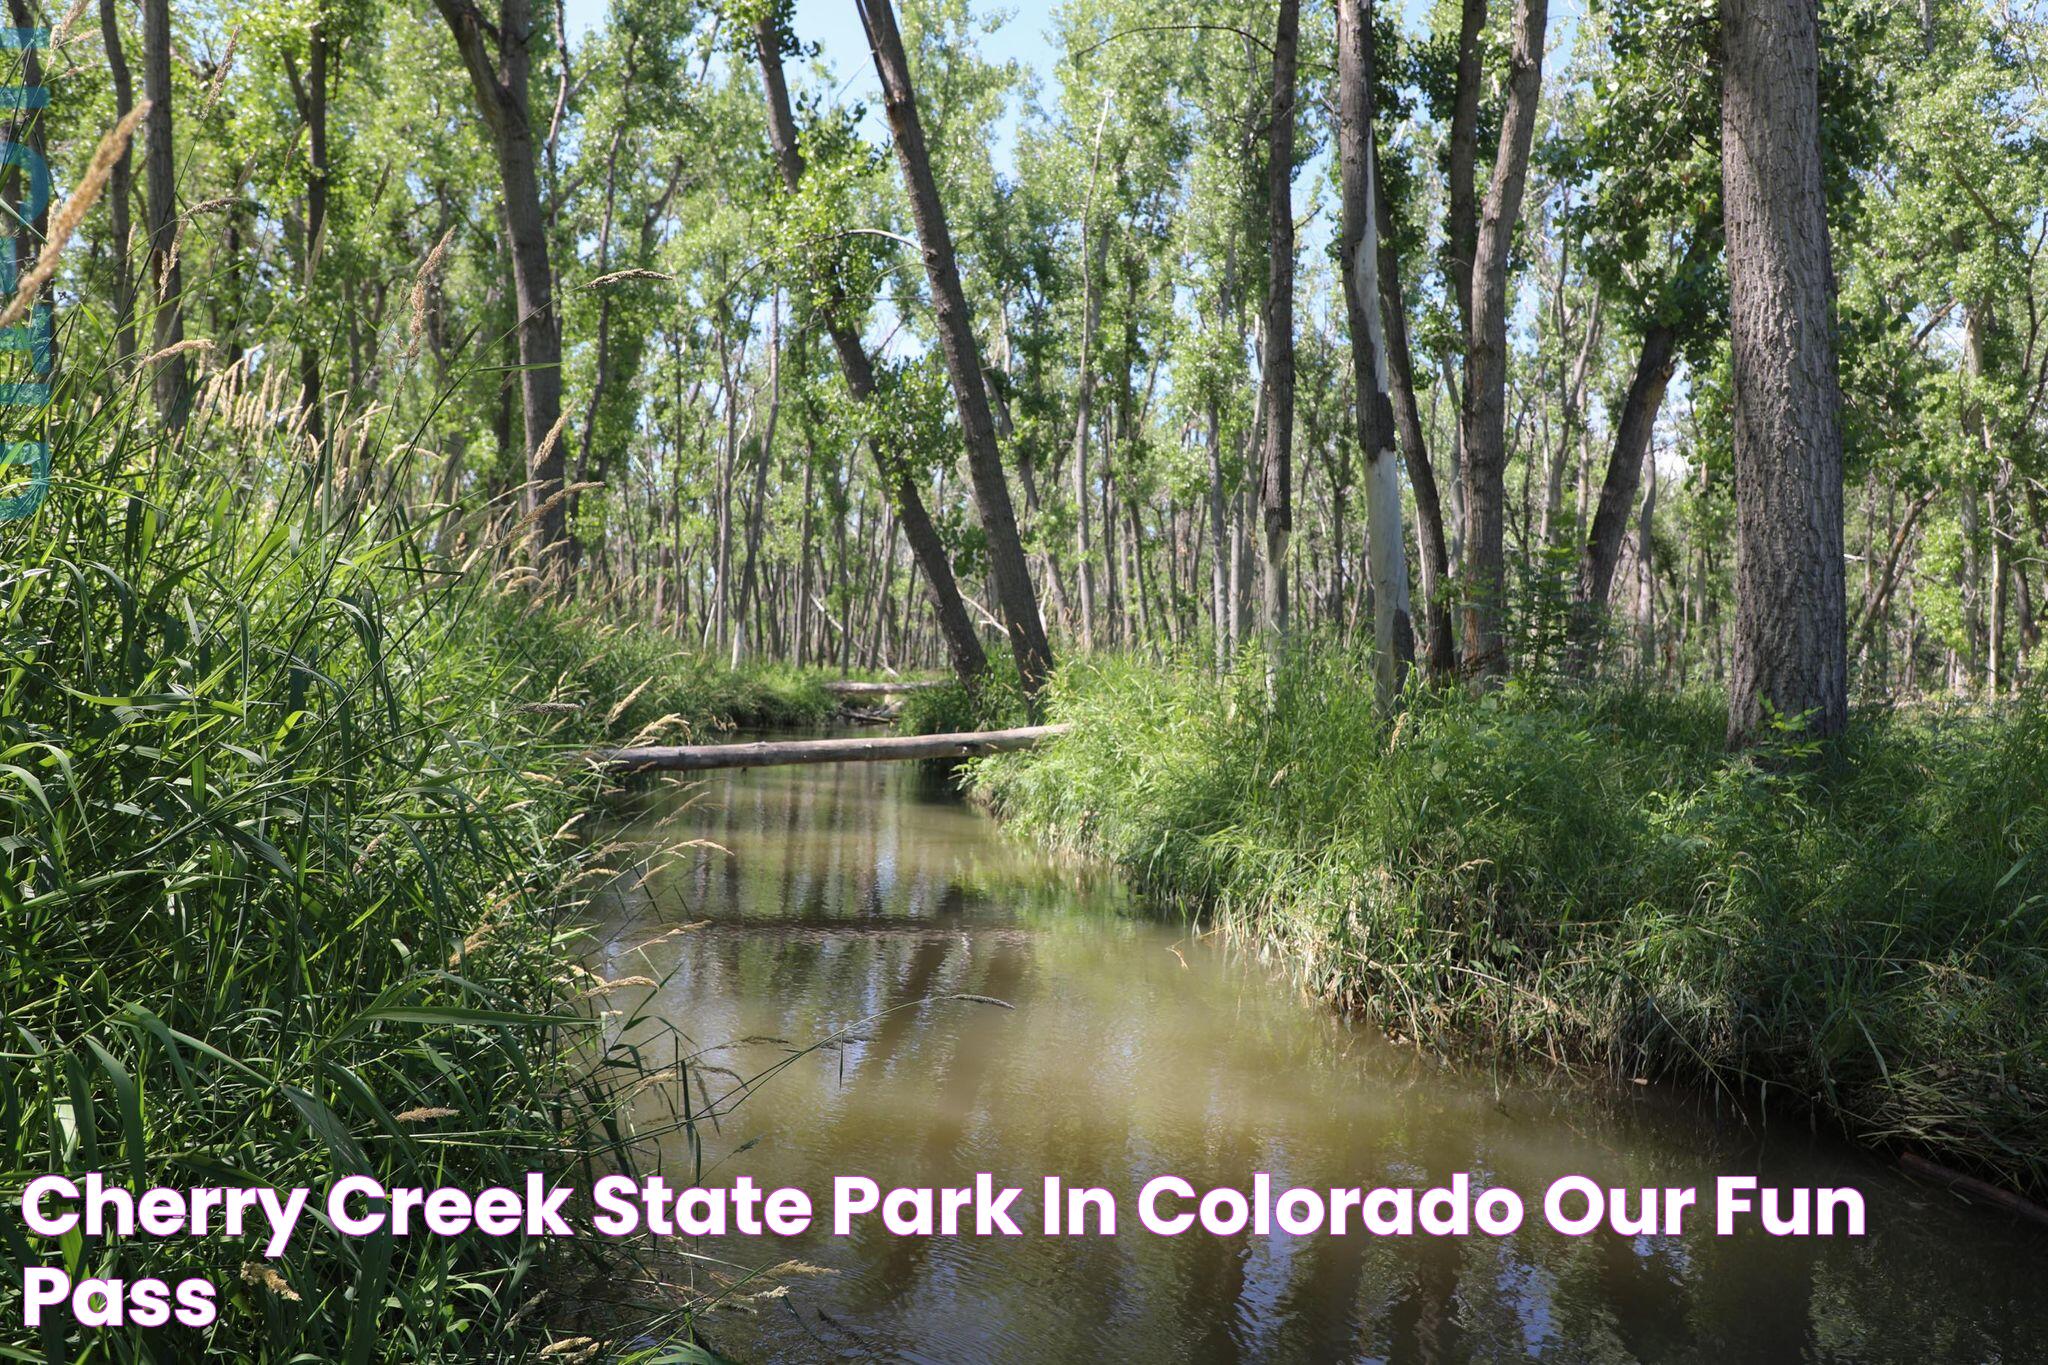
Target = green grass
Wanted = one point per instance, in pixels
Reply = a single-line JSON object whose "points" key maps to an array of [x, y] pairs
{"points": [[631, 682], [287, 805], [996, 702], [1588, 877]]}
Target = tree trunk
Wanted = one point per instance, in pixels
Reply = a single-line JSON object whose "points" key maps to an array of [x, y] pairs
{"points": [[1276, 481], [1571, 418], [963, 646], [500, 86], [30, 128], [1439, 651], [860, 749], [1462, 227], [1015, 596], [1219, 566], [1646, 569], [1358, 248], [1877, 601], [1094, 253], [120, 189], [757, 510], [1485, 408], [1632, 435], [1791, 665], [166, 277], [311, 98]]}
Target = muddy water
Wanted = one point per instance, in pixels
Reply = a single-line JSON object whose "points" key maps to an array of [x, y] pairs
{"points": [[839, 894]]}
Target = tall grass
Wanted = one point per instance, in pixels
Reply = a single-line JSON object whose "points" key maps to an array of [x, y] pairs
{"points": [[636, 682], [1589, 877], [287, 804]]}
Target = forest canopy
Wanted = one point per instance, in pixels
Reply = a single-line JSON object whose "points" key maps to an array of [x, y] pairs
{"points": [[654, 286]]}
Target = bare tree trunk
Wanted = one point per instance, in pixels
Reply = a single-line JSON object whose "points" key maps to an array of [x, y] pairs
{"points": [[1244, 565], [1438, 650], [1276, 490], [1618, 493], [718, 618], [1998, 673], [500, 86], [311, 97], [1359, 250], [1485, 410], [963, 646], [1454, 523], [1571, 405], [166, 277], [1219, 567], [1462, 213], [1646, 568], [120, 189], [757, 511], [1877, 602], [1791, 664], [1012, 576], [1094, 253]]}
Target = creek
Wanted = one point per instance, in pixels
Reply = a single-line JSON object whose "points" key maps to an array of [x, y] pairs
{"points": [[828, 902]]}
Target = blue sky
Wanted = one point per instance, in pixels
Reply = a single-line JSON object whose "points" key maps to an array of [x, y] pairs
{"points": [[834, 25]]}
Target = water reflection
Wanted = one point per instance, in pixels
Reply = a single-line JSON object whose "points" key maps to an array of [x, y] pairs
{"points": [[835, 895]]}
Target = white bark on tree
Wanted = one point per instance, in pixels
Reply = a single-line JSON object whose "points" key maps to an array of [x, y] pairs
{"points": [[1386, 565]]}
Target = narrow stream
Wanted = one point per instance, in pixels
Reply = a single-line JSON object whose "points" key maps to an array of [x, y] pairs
{"points": [[1134, 1049]]}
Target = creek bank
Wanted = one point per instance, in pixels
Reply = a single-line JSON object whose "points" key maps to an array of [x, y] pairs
{"points": [[1589, 878]]}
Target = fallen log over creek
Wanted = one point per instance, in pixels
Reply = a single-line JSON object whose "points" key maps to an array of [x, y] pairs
{"points": [[860, 749], [878, 689]]}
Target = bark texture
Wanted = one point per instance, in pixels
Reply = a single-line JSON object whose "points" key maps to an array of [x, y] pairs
{"points": [[1276, 468], [1484, 417], [1358, 249], [1462, 210], [1791, 656]]}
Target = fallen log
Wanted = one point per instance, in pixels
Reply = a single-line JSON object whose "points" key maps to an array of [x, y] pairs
{"points": [[877, 689], [779, 752], [1971, 1186]]}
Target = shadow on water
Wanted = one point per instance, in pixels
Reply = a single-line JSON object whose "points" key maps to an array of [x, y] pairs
{"points": [[835, 894]]}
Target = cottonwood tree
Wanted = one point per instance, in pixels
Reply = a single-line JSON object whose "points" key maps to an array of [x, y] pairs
{"points": [[1790, 655], [895, 466], [1649, 220], [1358, 248], [120, 187], [166, 277], [1483, 423], [1276, 472], [499, 60], [1014, 591]]}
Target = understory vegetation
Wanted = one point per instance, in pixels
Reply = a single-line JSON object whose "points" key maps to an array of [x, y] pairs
{"points": [[1588, 875], [293, 866]]}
